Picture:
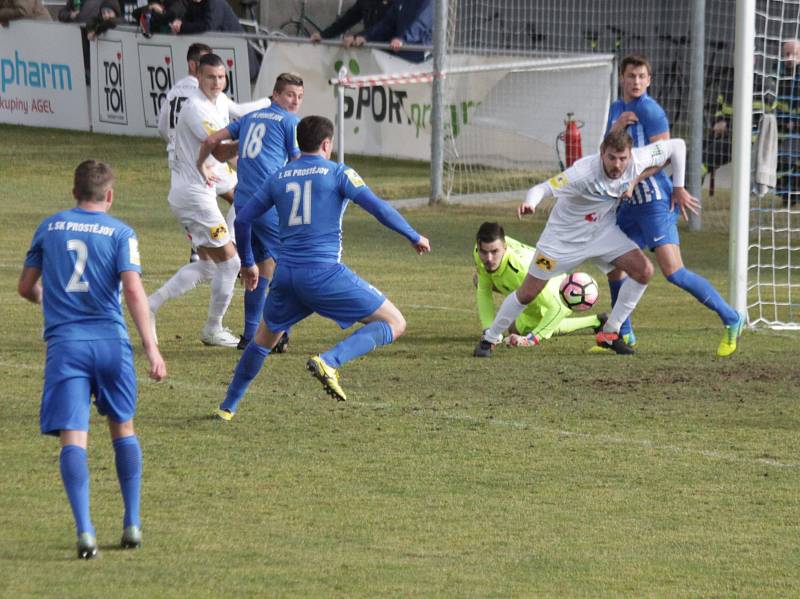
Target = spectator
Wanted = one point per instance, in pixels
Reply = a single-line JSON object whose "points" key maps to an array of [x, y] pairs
{"points": [[157, 15], [717, 140], [369, 12], [11, 10], [213, 15], [97, 15], [406, 22], [787, 113]]}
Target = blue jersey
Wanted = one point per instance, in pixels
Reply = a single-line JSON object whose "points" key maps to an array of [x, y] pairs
{"points": [[267, 140], [311, 195], [81, 254], [652, 121]]}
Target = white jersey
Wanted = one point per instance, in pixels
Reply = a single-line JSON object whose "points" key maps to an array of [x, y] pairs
{"points": [[171, 108], [199, 118], [587, 199]]}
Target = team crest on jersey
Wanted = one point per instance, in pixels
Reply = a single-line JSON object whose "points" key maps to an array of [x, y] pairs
{"points": [[354, 177], [209, 127], [591, 218], [219, 231], [133, 250], [558, 181], [545, 263]]}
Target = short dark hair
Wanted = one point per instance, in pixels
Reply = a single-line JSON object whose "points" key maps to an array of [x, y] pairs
{"points": [[285, 79], [210, 60], [196, 51], [490, 232], [619, 141], [635, 60], [92, 179], [312, 131]]}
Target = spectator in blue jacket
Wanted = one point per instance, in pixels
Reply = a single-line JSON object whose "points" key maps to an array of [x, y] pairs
{"points": [[406, 22]]}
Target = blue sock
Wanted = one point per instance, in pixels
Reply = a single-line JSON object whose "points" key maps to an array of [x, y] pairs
{"points": [[128, 458], [254, 306], [705, 293], [75, 474], [363, 341], [246, 370], [614, 287]]}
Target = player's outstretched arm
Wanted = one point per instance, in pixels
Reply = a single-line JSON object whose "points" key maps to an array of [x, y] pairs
{"points": [[29, 286], [423, 246], [685, 201], [391, 218], [532, 199], [136, 300], [237, 111]]}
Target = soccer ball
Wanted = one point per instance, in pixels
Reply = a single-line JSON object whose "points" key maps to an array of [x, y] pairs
{"points": [[579, 291]]}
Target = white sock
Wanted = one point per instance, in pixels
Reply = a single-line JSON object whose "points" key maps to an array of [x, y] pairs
{"points": [[187, 277], [629, 295], [222, 286], [506, 315]]}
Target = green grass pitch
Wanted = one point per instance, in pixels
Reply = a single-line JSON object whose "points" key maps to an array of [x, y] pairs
{"points": [[546, 471]]}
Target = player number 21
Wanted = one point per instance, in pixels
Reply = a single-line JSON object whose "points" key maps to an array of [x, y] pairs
{"points": [[295, 218], [76, 285]]}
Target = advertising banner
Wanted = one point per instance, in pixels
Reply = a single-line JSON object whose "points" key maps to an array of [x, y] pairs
{"points": [[42, 85], [131, 75]]}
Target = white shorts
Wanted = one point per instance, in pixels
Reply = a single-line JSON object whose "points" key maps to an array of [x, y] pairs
{"points": [[197, 210], [552, 259]]}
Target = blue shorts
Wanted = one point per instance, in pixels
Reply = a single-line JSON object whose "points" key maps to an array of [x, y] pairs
{"points": [[75, 370], [331, 290], [264, 238], [650, 224]]}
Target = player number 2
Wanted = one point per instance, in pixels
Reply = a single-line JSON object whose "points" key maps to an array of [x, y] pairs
{"points": [[295, 218], [252, 143], [76, 285]]}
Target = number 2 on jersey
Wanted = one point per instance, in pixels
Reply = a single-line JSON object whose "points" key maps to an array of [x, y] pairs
{"points": [[295, 218], [76, 285]]}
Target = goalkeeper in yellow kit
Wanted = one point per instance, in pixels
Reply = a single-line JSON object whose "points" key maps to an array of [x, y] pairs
{"points": [[501, 264]]}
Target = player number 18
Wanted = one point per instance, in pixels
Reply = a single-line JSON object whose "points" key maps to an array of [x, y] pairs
{"points": [[295, 218]]}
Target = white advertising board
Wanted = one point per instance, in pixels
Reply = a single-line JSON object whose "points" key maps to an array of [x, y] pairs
{"points": [[131, 74], [42, 76]]}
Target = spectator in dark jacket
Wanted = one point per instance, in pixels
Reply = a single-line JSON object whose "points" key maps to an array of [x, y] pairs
{"points": [[158, 14], [98, 15], [369, 12], [406, 22], [213, 15]]}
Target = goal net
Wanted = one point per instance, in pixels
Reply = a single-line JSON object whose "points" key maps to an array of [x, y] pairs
{"points": [[662, 31], [773, 270], [504, 120]]}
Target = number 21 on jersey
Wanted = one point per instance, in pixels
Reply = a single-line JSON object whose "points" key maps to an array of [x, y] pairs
{"points": [[296, 217]]}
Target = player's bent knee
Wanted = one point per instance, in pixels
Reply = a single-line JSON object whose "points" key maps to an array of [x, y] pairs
{"points": [[398, 326], [644, 273], [120, 429]]}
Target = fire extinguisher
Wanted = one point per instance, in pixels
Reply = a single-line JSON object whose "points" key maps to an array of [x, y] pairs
{"points": [[571, 136]]}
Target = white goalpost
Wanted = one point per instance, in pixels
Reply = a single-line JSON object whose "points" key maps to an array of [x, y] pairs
{"points": [[765, 224]]}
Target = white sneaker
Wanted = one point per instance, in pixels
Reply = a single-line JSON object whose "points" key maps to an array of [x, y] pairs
{"points": [[153, 326], [222, 337]]}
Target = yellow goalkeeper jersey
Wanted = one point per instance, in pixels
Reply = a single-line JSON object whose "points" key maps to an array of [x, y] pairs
{"points": [[507, 278]]}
